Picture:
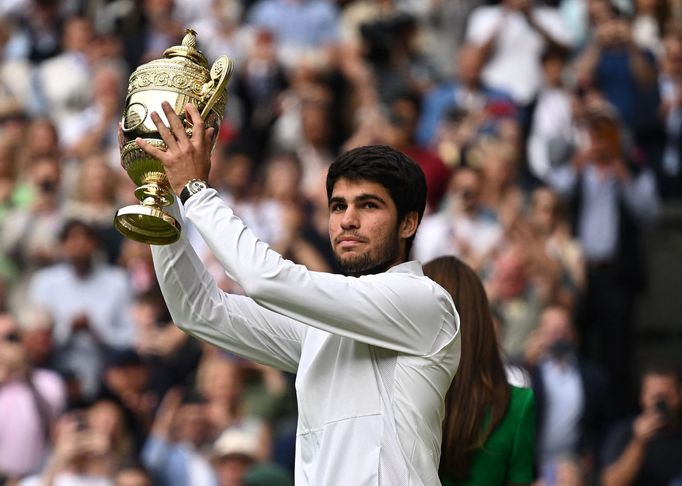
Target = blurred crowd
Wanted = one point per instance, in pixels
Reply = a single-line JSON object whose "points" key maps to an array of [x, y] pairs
{"points": [[550, 134]]}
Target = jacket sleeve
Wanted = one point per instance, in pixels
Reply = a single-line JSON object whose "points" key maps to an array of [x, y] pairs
{"points": [[232, 322], [395, 310]]}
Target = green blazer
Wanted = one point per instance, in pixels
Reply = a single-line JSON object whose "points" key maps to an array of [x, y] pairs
{"points": [[507, 455]]}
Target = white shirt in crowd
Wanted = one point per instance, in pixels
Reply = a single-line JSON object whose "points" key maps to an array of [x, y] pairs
{"points": [[514, 65], [374, 355], [445, 233], [565, 401]]}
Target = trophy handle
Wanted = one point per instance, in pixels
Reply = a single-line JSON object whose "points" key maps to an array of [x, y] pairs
{"points": [[220, 75]]}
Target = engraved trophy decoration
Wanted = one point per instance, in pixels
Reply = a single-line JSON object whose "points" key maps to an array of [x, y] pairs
{"points": [[181, 76]]}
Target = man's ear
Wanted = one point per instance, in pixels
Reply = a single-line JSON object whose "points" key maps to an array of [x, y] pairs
{"points": [[408, 226]]}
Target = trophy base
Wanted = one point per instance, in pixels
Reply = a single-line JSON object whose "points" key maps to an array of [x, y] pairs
{"points": [[147, 224]]}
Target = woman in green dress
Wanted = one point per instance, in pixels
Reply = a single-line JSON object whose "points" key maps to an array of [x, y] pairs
{"points": [[489, 425]]}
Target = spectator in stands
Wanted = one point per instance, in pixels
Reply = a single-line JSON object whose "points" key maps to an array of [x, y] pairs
{"points": [[41, 138], [15, 73], [259, 85], [446, 29], [548, 230], [93, 200], [626, 75], [31, 399], [552, 130], [36, 325], [304, 127], [125, 382], [91, 308], [304, 31], [612, 200], [149, 29], [39, 26], [93, 130], [512, 36], [299, 240], [234, 452], [518, 287], [176, 451], [497, 154], [171, 356], [570, 392], [220, 382], [466, 92], [86, 450], [404, 112], [463, 227], [63, 82], [647, 449], [30, 232]]}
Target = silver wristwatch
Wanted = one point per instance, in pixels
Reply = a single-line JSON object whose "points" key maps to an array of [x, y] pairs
{"points": [[191, 188]]}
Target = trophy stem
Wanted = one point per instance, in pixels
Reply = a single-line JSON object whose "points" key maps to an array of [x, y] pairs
{"points": [[147, 222]]}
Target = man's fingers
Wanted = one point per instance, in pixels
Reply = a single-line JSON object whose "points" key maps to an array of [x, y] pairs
{"points": [[175, 123], [155, 152], [192, 113], [208, 137], [163, 130]]}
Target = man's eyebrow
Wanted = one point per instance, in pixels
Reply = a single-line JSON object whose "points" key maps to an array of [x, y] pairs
{"points": [[369, 197], [358, 199], [336, 199]]}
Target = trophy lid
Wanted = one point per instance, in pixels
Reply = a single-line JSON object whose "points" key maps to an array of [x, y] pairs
{"points": [[188, 49]]}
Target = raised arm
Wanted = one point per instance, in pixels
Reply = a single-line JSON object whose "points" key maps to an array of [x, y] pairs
{"points": [[396, 310], [232, 322]]}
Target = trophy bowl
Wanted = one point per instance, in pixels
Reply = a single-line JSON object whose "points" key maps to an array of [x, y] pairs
{"points": [[181, 76]]}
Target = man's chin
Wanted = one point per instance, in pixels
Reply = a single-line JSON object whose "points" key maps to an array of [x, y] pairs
{"points": [[356, 267]]}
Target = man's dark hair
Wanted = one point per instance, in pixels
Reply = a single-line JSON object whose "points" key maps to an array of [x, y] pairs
{"points": [[398, 173], [73, 224], [554, 52], [661, 367]]}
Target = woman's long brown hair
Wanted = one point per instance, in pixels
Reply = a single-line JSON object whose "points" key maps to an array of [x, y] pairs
{"points": [[480, 385]]}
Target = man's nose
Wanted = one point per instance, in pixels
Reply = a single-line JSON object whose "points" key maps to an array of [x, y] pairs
{"points": [[350, 218]]}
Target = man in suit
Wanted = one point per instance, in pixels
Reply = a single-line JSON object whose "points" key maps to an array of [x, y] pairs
{"points": [[570, 392]]}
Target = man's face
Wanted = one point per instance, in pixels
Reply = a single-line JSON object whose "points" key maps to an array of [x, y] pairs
{"points": [[363, 227], [193, 423], [79, 245], [661, 387], [465, 190]]}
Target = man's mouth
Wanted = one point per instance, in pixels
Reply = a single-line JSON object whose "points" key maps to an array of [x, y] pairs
{"points": [[349, 241]]}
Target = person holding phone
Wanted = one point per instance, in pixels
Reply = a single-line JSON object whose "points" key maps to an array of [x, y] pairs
{"points": [[647, 449]]}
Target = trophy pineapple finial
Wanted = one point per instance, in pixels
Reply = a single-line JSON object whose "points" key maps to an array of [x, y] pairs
{"points": [[190, 39], [188, 49]]}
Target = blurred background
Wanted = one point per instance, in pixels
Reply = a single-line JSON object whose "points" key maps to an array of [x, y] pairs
{"points": [[550, 133]]}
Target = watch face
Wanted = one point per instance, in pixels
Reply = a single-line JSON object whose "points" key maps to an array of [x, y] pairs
{"points": [[196, 186]]}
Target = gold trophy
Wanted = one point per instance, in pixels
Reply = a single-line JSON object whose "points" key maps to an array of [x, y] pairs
{"points": [[180, 77]]}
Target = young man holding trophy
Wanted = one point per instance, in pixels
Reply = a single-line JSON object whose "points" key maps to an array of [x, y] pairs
{"points": [[374, 350]]}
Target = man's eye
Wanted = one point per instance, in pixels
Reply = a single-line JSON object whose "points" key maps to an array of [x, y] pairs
{"points": [[337, 207], [370, 205]]}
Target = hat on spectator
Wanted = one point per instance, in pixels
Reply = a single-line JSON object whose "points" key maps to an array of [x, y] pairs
{"points": [[236, 443]]}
